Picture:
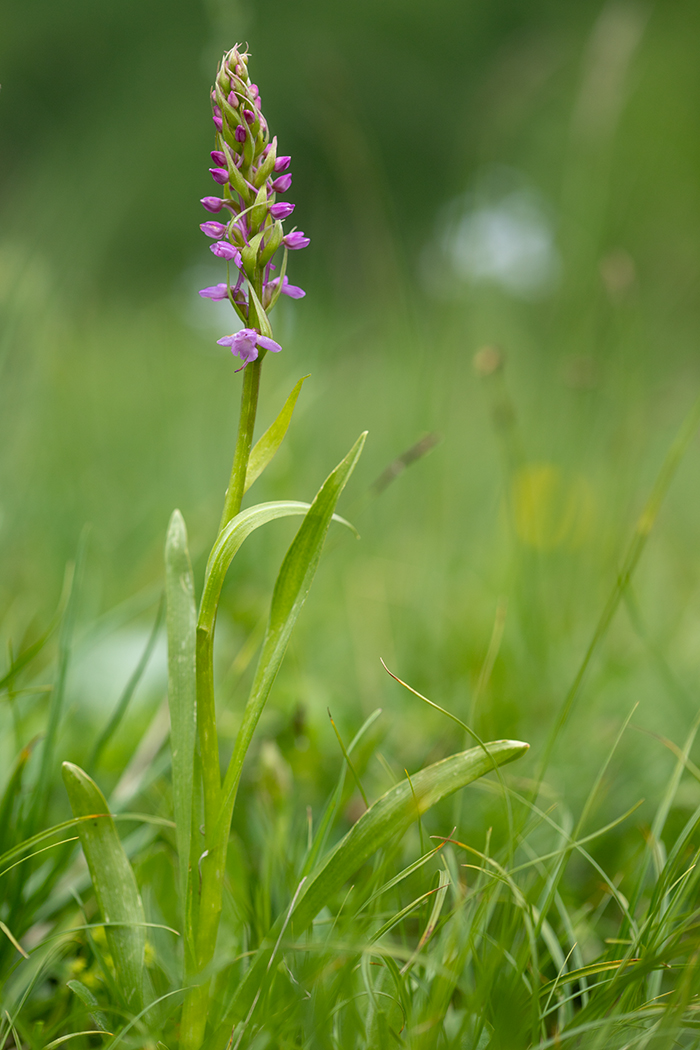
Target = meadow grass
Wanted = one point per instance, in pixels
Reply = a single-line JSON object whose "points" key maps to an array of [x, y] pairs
{"points": [[536, 908]]}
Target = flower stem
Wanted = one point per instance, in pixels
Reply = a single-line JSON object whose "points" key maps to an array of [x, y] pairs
{"points": [[246, 424]]}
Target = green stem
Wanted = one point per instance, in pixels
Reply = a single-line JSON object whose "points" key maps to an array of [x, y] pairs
{"points": [[246, 424], [207, 882]]}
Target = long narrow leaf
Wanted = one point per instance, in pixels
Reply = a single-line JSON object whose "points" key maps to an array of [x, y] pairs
{"points": [[113, 881], [266, 447], [181, 625], [291, 590]]}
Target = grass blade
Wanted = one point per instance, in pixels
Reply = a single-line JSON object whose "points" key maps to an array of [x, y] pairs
{"points": [[113, 881], [266, 447], [181, 626]]}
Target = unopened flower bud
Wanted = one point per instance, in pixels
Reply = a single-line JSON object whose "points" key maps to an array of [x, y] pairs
{"points": [[218, 121], [219, 175], [224, 250], [233, 99], [240, 134], [282, 163], [293, 241], [282, 184], [214, 204], [218, 157], [281, 210], [249, 116], [213, 229]]}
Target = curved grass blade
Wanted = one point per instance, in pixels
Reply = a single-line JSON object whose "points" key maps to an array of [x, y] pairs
{"points": [[113, 881], [265, 448], [181, 620], [65, 642], [388, 817], [129, 689], [334, 802]]}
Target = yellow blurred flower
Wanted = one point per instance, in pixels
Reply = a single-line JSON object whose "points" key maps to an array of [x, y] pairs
{"points": [[551, 509]]}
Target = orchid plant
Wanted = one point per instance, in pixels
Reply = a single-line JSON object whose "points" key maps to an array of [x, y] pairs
{"points": [[248, 235]]}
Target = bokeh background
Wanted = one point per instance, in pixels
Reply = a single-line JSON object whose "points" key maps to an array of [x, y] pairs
{"points": [[471, 174]]}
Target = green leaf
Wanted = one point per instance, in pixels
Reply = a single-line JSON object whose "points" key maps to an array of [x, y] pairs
{"points": [[266, 447], [291, 590], [388, 817], [392, 814], [86, 997], [181, 624], [113, 881], [230, 541]]}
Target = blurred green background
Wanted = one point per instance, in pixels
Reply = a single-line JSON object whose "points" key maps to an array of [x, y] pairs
{"points": [[470, 174]]}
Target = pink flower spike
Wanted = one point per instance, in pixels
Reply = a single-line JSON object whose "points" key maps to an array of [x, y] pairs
{"points": [[282, 163], [213, 229], [215, 291], [281, 210]]}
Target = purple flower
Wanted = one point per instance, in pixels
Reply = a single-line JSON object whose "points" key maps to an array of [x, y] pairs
{"points": [[213, 229], [292, 290], [293, 240], [215, 291], [217, 118], [233, 99], [281, 210], [212, 203], [249, 116], [282, 163], [218, 157], [240, 134], [282, 184], [224, 250], [219, 175], [244, 344]]}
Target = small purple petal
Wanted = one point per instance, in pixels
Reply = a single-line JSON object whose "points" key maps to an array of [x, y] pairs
{"points": [[296, 240], [254, 90], [269, 344], [281, 210], [219, 175], [282, 184], [240, 134], [218, 157], [215, 291], [212, 203], [218, 123], [249, 116], [233, 99], [282, 163], [292, 290], [213, 229]]}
